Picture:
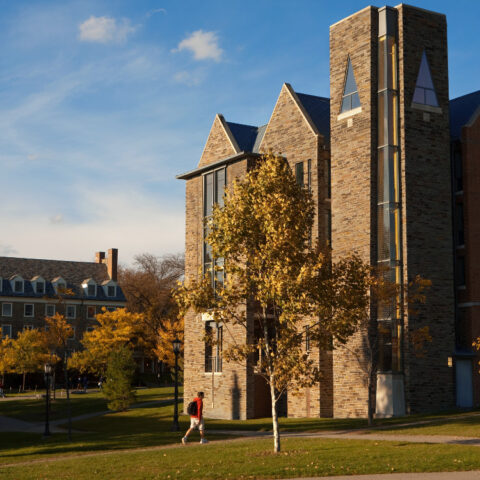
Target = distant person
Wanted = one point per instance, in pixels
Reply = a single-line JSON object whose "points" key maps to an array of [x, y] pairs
{"points": [[79, 383], [100, 382], [195, 410]]}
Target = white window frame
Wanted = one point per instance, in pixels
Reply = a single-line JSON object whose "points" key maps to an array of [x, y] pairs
{"points": [[46, 309], [25, 310], [74, 311], [6, 325], [11, 309]]}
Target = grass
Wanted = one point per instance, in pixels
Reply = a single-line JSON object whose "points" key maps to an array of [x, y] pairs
{"points": [[149, 427], [464, 425], [254, 459], [33, 409]]}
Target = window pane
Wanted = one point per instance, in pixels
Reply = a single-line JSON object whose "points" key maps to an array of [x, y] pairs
{"points": [[18, 286], [208, 194], [7, 309], [91, 311], [431, 98], [350, 84], [40, 287], [6, 331], [220, 186], [28, 310], [91, 290], [355, 100], [346, 103], [382, 63], [460, 271], [50, 310], [419, 96], [299, 174]]}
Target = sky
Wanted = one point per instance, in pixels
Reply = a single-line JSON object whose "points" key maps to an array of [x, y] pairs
{"points": [[103, 102]]}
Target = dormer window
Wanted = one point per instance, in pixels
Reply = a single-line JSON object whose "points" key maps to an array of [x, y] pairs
{"points": [[60, 285], [38, 284], [89, 287], [17, 284], [110, 288]]}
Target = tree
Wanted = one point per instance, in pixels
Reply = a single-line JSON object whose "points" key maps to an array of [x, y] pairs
{"points": [[116, 329], [148, 289], [118, 387], [263, 233], [29, 353], [6, 357]]}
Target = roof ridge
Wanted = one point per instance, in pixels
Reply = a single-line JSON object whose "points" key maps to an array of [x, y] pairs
{"points": [[466, 95], [46, 260]]}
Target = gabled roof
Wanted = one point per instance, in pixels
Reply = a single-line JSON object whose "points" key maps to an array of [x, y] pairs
{"points": [[248, 137], [73, 273], [462, 110], [319, 110]]}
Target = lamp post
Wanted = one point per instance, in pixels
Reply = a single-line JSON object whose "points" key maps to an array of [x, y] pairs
{"points": [[48, 373], [176, 350]]}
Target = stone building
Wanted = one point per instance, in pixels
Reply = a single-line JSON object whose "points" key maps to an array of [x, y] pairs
{"points": [[32, 289], [378, 159]]}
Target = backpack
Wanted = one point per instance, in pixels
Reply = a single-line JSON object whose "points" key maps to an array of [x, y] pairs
{"points": [[192, 408]]}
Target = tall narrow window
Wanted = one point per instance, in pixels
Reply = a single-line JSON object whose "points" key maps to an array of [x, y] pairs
{"points": [[299, 174], [350, 98], [213, 347], [424, 90], [213, 192], [460, 234]]}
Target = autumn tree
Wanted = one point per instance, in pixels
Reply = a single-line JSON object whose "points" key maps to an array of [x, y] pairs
{"points": [[116, 329], [6, 357], [148, 289], [263, 233], [29, 353]]}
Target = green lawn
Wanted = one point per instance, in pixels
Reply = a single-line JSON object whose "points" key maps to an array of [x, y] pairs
{"points": [[254, 459], [464, 425], [33, 410], [149, 427]]}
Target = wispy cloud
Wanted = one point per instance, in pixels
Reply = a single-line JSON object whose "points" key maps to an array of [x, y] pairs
{"points": [[105, 30], [156, 10], [56, 219], [203, 46], [189, 78], [7, 250]]}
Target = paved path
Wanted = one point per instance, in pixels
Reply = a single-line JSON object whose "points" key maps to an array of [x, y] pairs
{"points": [[361, 435]]}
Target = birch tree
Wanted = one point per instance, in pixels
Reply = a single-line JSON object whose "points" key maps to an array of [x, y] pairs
{"points": [[263, 232]]}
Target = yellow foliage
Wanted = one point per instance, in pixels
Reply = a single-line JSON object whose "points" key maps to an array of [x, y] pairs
{"points": [[115, 329]]}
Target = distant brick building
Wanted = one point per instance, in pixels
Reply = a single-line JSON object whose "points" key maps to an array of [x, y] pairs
{"points": [[30, 290], [378, 157]]}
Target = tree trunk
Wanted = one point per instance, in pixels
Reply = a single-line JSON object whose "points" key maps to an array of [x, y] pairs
{"points": [[23, 381], [370, 401], [276, 432]]}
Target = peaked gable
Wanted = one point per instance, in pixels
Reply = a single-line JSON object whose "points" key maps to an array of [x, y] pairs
{"points": [[220, 143], [424, 90], [289, 120]]}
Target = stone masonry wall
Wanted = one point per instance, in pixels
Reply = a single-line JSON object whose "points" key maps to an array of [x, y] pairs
{"points": [[426, 209], [353, 157], [471, 204], [290, 134]]}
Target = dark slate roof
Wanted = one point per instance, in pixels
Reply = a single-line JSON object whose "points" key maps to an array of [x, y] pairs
{"points": [[74, 273], [245, 135], [461, 111], [319, 110]]}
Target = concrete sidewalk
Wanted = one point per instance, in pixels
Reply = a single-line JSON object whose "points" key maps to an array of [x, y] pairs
{"points": [[362, 435]]}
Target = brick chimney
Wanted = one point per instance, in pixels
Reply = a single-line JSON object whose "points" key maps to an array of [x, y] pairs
{"points": [[99, 257], [112, 261]]}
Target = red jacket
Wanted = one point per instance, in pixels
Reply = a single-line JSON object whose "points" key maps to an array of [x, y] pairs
{"points": [[199, 414]]}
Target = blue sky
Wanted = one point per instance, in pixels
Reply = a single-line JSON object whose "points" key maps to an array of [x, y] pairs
{"points": [[102, 103]]}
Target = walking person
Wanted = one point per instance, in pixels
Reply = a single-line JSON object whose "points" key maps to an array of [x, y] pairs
{"points": [[195, 410]]}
